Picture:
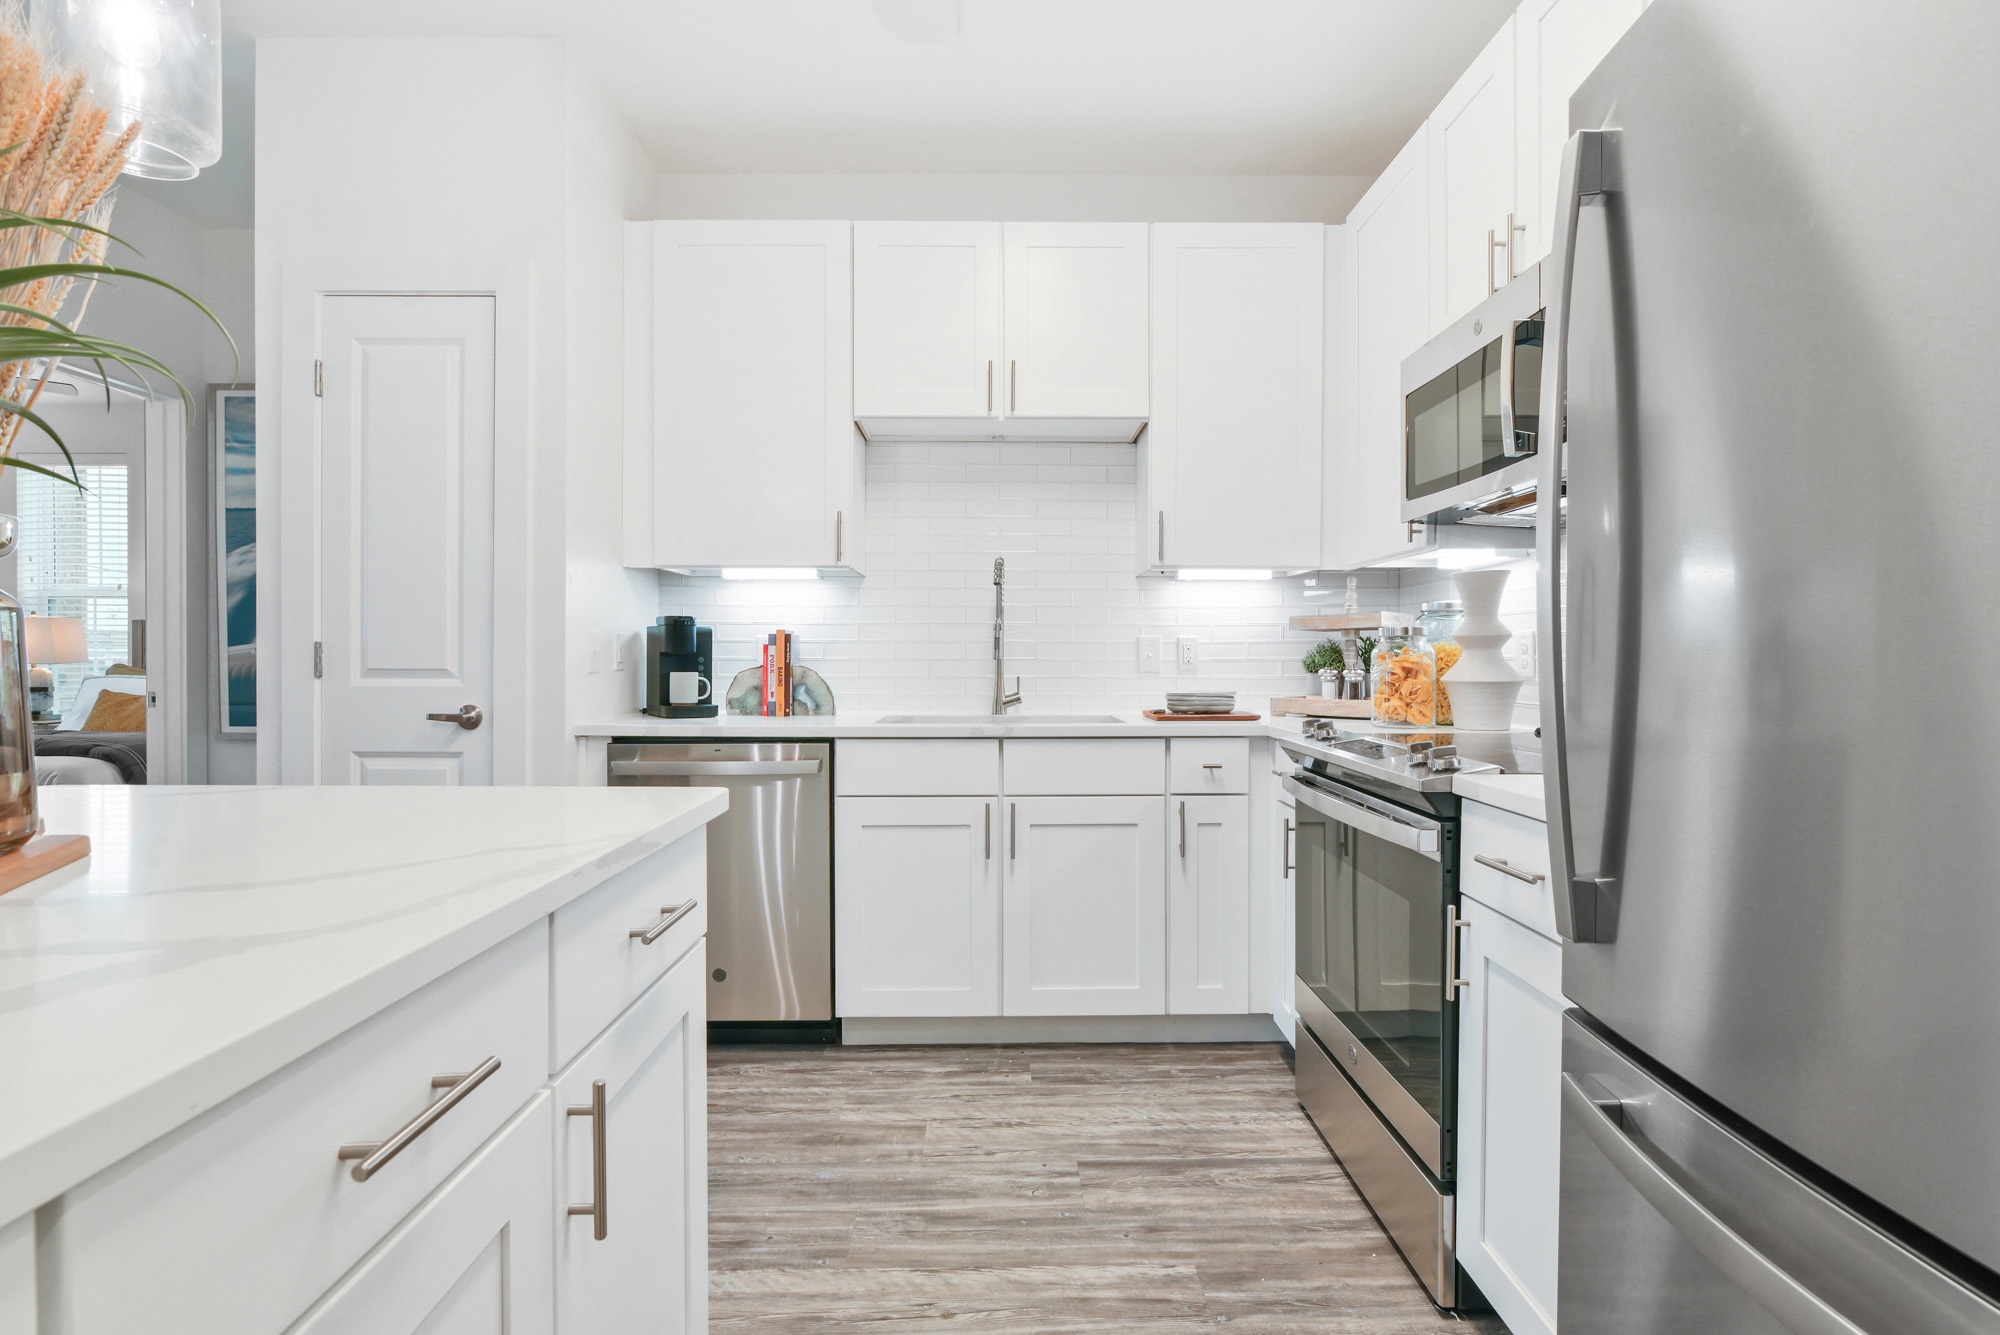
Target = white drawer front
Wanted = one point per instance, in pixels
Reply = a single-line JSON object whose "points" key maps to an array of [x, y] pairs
{"points": [[1086, 767], [917, 767], [600, 967], [1523, 845], [1200, 765], [245, 1216]]}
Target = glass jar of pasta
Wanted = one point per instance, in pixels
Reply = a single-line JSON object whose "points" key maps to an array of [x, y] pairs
{"points": [[1403, 673], [1439, 624]]}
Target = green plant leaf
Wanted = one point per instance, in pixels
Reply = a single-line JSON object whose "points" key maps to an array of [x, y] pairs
{"points": [[9, 461], [21, 411]]}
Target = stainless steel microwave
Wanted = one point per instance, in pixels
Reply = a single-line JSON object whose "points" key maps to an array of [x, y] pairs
{"points": [[1472, 404]]}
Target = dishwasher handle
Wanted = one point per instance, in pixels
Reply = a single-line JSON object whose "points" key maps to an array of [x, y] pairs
{"points": [[730, 769]]}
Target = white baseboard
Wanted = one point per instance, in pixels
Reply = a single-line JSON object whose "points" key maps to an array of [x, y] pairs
{"points": [[1064, 1029]]}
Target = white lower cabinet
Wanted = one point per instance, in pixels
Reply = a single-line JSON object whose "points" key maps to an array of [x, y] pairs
{"points": [[1085, 906], [472, 1260], [1208, 906], [918, 931], [638, 1158], [1509, 1115]]}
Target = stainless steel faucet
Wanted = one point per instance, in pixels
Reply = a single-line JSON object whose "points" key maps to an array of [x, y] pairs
{"points": [[1002, 700]]}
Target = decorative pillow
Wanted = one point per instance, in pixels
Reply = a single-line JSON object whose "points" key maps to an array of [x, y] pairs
{"points": [[124, 670], [116, 711], [86, 698]]}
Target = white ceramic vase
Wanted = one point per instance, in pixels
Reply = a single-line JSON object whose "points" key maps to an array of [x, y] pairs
{"points": [[1483, 684]]}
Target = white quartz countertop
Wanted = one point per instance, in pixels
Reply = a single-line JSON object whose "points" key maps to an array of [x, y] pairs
{"points": [[216, 934], [1029, 724], [1519, 793]]}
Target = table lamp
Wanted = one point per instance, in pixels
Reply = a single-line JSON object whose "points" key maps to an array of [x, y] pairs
{"points": [[51, 640]]}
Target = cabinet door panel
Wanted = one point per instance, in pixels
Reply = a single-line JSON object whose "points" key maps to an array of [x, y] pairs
{"points": [[926, 319], [1472, 174], [1208, 906], [752, 389], [1076, 320], [1085, 906], [1557, 44], [1509, 1144], [472, 1260], [1233, 452], [918, 924], [1388, 239], [650, 1270]]}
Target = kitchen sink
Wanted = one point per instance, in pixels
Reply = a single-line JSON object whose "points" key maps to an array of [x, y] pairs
{"points": [[965, 720]]}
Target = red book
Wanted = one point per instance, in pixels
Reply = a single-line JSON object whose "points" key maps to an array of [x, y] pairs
{"points": [[770, 676]]}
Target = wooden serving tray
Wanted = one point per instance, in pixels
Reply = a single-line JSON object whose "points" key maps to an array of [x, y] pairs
{"points": [[1162, 716], [40, 856], [1318, 706]]}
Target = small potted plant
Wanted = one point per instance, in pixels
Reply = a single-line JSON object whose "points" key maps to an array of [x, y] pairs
{"points": [[1327, 663]]}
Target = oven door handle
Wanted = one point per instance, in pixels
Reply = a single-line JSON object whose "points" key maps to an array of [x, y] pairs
{"points": [[1416, 838]]}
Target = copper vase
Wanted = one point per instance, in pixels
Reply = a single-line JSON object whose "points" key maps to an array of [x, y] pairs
{"points": [[18, 819]]}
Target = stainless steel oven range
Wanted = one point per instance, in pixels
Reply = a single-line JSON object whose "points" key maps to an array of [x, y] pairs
{"points": [[1377, 969]]}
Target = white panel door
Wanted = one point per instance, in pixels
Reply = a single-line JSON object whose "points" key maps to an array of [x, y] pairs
{"points": [[926, 319], [919, 924], [1208, 906], [406, 538], [1557, 44], [1232, 457], [1509, 1115], [1076, 334], [753, 393], [650, 1269], [1472, 182], [472, 1260], [1085, 906], [1389, 248]]}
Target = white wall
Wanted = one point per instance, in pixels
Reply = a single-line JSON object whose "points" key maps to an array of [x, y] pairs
{"points": [[916, 633], [1023, 197], [610, 179], [398, 154], [1518, 604]]}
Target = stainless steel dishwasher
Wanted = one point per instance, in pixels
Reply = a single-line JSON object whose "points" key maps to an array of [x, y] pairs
{"points": [[770, 878]]}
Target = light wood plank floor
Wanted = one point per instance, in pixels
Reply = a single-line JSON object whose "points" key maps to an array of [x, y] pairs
{"points": [[1038, 1189]]}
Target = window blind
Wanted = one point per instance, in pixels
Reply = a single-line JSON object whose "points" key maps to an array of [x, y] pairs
{"points": [[73, 561]]}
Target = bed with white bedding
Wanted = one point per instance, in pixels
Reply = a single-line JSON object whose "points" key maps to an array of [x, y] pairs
{"points": [[71, 755]]}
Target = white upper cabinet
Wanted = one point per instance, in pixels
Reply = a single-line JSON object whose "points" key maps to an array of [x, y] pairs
{"points": [[1389, 295], [1557, 43], [1472, 205], [1230, 466], [740, 440], [927, 320], [1076, 320]]}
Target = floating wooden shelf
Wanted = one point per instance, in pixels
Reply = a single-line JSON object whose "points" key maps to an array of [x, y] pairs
{"points": [[1318, 706], [1339, 621]]}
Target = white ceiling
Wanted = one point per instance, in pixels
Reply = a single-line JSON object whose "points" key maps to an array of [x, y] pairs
{"points": [[1112, 87]]}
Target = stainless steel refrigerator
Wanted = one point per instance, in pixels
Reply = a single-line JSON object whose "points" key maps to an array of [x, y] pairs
{"points": [[1772, 637]]}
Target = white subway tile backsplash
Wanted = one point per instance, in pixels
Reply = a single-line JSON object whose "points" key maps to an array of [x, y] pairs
{"points": [[916, 634]]}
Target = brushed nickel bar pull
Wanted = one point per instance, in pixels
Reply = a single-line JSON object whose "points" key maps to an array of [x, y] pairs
{"points": [[839, 535], [989, 386], [1493, 243], [374, 1154], [646, 936], [1502, 865], [1183, 832], [1214, 766], [1453, 983], [989, 831], [594, 1110], [1013, 385], [1013, 829], [1290, 866], [1163, 536]]}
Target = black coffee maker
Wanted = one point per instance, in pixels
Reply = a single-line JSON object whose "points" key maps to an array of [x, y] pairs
{"points": [[680, 669]]}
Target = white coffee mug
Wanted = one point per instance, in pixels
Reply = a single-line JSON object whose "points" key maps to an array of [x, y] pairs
{"points": [[687, 688]]}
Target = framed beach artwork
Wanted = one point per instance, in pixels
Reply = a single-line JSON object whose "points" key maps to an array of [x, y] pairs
{"points": [[233, 426]]}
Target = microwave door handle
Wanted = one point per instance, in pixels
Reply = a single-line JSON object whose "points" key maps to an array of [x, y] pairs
{"points": [[1587, 164]]}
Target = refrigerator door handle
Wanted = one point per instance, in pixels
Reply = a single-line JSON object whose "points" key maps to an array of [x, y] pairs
{"points": [[1583, 179], [1795, 1306]]}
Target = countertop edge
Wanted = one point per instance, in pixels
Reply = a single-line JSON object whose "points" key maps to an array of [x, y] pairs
{"points": [[37, 1172]]}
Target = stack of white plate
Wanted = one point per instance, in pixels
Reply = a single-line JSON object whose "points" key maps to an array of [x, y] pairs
{"points": [[1201, 702]]}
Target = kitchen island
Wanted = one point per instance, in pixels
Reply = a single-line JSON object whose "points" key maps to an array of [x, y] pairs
{"points": [[240, 982]]}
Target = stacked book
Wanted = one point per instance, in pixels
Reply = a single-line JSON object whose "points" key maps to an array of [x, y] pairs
{"points": [[778, 674]]}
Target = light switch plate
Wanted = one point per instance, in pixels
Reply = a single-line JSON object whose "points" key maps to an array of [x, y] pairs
{"points": [[598, 647], [621, 651], [1149, 653], [1188, 659]]}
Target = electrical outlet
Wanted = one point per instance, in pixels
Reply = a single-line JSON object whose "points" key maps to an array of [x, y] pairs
{"points": [[1523, 655], [621, 651], [1149, 653], [1188, 659]]}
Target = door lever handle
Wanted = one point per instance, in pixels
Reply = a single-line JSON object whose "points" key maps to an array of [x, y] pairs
{"points": [[468, 717]]}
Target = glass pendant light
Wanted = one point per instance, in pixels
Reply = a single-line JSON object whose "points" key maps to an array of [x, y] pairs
{"points": [[155, 61]]}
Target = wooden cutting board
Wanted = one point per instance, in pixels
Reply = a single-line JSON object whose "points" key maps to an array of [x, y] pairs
{"points": [[40, 856], [1162, 716]]}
